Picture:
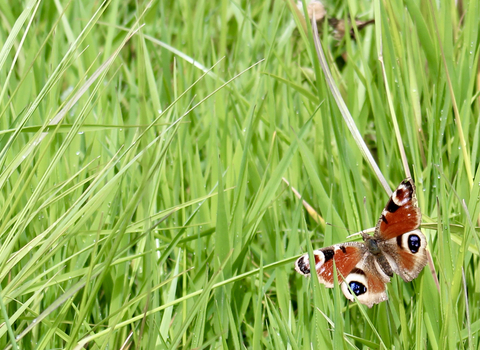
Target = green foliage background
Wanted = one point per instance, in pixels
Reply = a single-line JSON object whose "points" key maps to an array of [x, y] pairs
{"points": [[143, 146]]}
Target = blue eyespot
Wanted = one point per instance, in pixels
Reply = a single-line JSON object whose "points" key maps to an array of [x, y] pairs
{"points": [[358, 288], [414, 243]]}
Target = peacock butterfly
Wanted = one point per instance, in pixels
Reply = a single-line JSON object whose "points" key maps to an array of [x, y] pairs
{"points": [[363, 268]]}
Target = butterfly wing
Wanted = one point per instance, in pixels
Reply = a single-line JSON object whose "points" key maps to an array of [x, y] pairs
{"points": [[355, 268], [397, 232], [406, 254], [366, 281], [401, 214], [345, 255], [359, 270]]}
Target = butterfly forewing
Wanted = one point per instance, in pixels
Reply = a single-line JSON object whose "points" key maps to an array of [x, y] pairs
{"points": [[401, 214], [346, 257]]}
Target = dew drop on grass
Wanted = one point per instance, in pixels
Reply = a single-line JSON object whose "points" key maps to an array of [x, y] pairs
{"points": [[77, 153], [81, 132]]}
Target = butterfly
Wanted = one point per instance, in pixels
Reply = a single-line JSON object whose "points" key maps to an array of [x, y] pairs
{"points": [[397, 246]]}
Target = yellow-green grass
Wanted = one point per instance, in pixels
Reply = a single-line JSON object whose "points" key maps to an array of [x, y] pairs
{"points": [[143, 146]]}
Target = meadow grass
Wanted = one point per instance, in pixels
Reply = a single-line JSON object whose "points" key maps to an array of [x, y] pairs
{"points": [[145, 149]]}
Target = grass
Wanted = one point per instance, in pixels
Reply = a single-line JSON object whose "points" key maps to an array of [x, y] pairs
{"points": [[143, 147]]}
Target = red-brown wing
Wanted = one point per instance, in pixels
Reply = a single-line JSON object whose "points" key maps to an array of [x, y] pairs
{"points": [[345, 255], [406, 254], [366, 282], [401, 213]]}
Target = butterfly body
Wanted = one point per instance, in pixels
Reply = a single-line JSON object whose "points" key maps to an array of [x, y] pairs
{"points": [[397, 246]]}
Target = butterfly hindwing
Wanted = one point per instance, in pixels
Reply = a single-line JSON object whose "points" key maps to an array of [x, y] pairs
{"points": [[407, 254], [367, 282]]}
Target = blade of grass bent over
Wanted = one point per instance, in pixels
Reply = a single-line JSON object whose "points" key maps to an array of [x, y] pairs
{"points": [[345, 112]]}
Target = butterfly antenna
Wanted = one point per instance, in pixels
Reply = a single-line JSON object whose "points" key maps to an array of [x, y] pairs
{"points": [[363, 232], [360, 233]]}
